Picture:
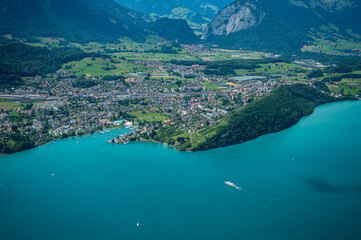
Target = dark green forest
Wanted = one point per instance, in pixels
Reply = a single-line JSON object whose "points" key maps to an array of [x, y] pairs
{"points": [[74, 20], [339, 78], [175, 30], [19, 60], [228, 67], [16, 142], [279, 110]]}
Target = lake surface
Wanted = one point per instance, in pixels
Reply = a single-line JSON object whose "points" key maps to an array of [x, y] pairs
{"points": [[301, 183]]}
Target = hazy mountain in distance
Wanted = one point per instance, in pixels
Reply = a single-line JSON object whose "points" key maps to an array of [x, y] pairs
{"points": [[197, 12]]}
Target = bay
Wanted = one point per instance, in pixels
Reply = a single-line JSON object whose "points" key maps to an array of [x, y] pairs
{"points": [[301, 183]]}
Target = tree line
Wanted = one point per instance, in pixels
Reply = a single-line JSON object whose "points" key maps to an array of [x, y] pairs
{"points": [[20, 60]]}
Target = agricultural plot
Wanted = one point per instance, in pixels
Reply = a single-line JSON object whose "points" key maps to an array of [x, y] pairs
{"points": [[280, 67], [9, 105], [339, 46], [346, 89], [213, 86], [149, 116], [101, 67]]}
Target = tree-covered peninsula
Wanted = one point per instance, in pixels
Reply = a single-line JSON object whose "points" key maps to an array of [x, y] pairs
{"points": [[281, 109]]}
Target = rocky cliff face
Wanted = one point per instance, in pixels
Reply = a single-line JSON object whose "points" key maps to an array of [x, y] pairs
{"points": [[239, 15], [283, 25]]}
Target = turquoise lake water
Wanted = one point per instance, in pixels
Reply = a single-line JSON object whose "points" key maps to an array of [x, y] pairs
{"points": [[301, 183]]}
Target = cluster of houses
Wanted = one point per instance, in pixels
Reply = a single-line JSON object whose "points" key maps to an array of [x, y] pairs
{"points": [[67, 109]]}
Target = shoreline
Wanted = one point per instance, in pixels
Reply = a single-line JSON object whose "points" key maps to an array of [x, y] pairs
{"points": [[174, 147], [58, 138], [192, 150], [147, 141]]}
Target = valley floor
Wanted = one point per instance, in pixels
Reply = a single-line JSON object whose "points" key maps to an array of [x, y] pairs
{"points": [[181, 98]]}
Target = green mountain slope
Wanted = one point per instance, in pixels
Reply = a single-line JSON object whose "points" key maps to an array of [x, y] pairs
{"points": [[75, 20], [175, 30], [197, 12], [18, 60]]}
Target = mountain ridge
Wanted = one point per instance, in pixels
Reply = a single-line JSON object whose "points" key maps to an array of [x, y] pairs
{"points": [[75, 20], [170, 29], [282, 26], [197, 12]]}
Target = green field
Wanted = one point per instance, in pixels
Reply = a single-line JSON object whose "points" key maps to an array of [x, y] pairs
{"points": [[52, 42], [153, 56], [349, 90], [9, 105], [149, 116], [349, 86], [338, 45], [101, 67], [225, 54], [296, 79], [131, 50], [280, 67], [195, 138], [212, 86]]}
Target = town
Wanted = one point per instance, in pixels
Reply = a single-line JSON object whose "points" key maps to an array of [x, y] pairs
{"points": [[171, 102]]}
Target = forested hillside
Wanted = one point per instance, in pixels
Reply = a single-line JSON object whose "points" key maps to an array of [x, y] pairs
{"points": [[74, 20], [196, 12], [279, 110], [18, 59], [175, 30]]}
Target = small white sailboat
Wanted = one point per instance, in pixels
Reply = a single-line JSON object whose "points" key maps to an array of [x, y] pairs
{"points": [[137, 224]]}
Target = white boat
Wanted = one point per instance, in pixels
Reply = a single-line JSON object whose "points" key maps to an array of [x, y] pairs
{"points": [[106, 130], [228, 183]]}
